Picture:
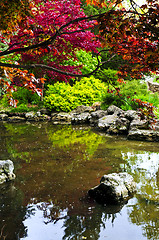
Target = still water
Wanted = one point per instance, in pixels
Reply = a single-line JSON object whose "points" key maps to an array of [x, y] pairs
{"points": [[56, 166]]}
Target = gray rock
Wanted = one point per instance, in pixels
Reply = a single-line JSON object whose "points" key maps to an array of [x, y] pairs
{"points": [[131, 115], [139, 124], [114, 188], [114, 110], [37, 116], [3, 117], [44, 111], [6, 171], [106, 121], [16, 119], [82, 109], [113, 124], [82, 118], [30, 116], [43, 117], [61, 118], [144, 135], [94, 116]]}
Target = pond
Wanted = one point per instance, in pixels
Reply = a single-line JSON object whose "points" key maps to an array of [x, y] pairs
{"points": [[55, 166]]}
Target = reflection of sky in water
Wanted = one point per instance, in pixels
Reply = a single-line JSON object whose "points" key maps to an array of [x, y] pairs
{"points": [[146, 161], [43, 231], [110, 229], [122, 229], [144, 167]]}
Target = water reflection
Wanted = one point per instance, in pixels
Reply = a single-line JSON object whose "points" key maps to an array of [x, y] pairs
{"points": [[145, 168], [56, 165]]}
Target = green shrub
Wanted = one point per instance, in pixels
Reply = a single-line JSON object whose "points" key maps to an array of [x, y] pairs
{"points": [[84, 59], [107, 75], [24, 96], [63, 97], [23, 108], [4, 101], [132, 89]]}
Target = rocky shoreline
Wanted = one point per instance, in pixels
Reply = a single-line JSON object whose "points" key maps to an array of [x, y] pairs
{"points": [[111, 121]]}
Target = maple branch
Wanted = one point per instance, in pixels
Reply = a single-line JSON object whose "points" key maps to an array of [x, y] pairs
{"points": [[33, 66], [51, 39], [58, 32]]}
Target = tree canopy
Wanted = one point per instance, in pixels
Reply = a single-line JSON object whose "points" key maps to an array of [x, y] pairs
{"points": [[44, 34]]}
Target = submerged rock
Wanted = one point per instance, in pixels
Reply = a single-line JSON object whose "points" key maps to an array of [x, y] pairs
{"points": [[114, 188], [6, 171]]}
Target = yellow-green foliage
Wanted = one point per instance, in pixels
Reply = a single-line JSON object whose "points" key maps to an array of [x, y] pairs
{"points": [[63, 97]]}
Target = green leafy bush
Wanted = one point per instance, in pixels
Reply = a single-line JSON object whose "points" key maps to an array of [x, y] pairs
{"points": [[130, 90], [4, 101], [107, 75], [23, 108], [84, 59], [24, 96], [63, 97], [156, 79]]}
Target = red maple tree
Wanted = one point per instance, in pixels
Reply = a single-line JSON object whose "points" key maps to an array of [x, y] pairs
{"points": [[48, 37]]}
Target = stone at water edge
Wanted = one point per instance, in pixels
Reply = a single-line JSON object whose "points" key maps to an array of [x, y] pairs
{"points": [[6, 171], [114, 188]]}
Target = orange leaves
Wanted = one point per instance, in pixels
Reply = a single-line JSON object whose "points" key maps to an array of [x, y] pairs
{"points": [[12, 14], [127, 57], [103, 3], [42, 80], [29, 32], [99, 3], [17, 77]]}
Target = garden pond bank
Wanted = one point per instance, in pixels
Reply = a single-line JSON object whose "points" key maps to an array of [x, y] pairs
{"points": [[112, 121]]}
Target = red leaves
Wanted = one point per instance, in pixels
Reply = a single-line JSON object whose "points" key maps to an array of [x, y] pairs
{"points": [[134, 37], [146, 110], [56, 32]]}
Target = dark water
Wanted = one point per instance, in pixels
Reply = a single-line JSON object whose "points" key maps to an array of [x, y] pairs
{"points": [[56, 165]]}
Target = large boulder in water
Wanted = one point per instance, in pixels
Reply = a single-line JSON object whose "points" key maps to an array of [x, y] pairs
{"points": [[6, 171], [114, 188]]}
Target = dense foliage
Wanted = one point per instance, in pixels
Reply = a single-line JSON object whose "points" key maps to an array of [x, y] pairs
{"points": [[63, 97], [47, 34], [50, 36], [130, 91]]}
